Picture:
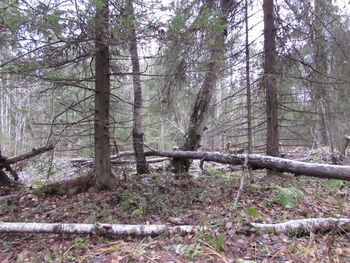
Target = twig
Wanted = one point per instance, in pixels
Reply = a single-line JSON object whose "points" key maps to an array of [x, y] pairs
{"points": [[241, 186]]}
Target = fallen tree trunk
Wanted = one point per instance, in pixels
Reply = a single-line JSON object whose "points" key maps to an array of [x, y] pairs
{"points": [[304, 225], [68, 187], [27, 155], [6, 162], [257, 161], [101, 229]]}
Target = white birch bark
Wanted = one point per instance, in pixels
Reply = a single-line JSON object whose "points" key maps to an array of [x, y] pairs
{"points": [[107, 229], [303, 225]]}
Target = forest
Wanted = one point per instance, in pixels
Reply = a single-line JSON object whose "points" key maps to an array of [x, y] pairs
{"points": [[174, 131]]}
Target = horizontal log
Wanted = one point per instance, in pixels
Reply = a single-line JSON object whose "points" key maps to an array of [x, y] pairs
{"points": [[257, 161], [27, 155], [101, 229], [303, 225], [6, 162]]}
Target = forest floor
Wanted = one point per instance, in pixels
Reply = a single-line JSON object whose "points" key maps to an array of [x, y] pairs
{"points": [[199, 199]]}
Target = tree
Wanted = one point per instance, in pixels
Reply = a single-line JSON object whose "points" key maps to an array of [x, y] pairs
{"points": [[200, 109], [249, 102], [103, 174], [269, 79], [137, 133], [320, 71]]}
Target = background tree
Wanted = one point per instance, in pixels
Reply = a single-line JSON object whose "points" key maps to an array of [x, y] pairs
{"points": [[199, 114], [137, 133], [269, 79], [103, 173]]}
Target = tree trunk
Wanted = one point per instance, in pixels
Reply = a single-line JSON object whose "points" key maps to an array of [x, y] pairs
{"points": [[200, 110], [345, 145], [257, 161], [103, 174], [269, 79], [137, 133], [4, 179], [320, 67], [249, 103]]}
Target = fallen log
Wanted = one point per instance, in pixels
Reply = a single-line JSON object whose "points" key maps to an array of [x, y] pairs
{"points": [[28, 155], [257, 161], [100, 229], [6, 162], [304, 225], [68, 187]]}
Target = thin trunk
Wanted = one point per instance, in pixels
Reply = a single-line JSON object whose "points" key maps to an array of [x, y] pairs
{"points": [[218, 111], [137, 133], [103, 174], [269, 81], [200, 110], [320, 66], [249, 103]]}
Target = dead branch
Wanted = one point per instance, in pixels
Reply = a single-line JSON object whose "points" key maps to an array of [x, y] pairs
{"points": [[303, 225], [101, 229]]}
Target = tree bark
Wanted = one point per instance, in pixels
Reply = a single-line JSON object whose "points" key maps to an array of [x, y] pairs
{"points": [[68, 187], [303, 225], [137, 133], [346, 144], [4, 179], [200, 110], [101, 229], [247, 67], [257, 161], [269, 79], [320, 67], [103, 174]]}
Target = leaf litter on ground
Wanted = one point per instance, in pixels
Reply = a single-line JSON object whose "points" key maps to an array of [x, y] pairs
{"points": [[200, 199]]}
